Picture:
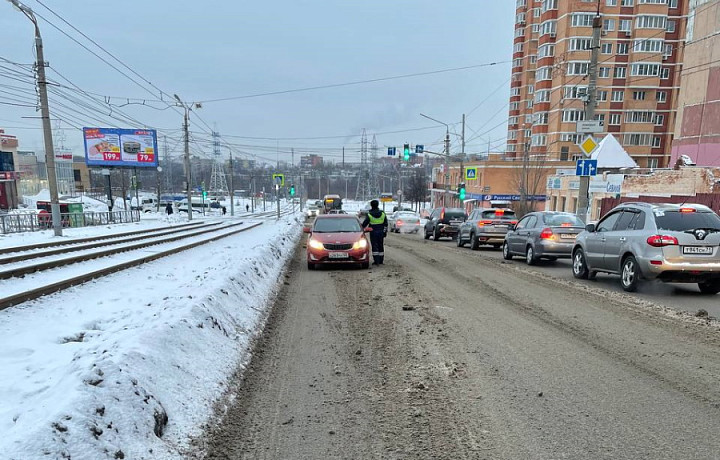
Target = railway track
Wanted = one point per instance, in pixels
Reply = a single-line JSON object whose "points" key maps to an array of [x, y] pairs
{"points": [[26, 282]]}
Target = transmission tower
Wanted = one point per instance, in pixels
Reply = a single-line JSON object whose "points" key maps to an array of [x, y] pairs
{"points": [[374, 183], [363, 187], [218, 181]]}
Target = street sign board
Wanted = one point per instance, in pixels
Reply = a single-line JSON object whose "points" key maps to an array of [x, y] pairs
{"points": [[391, 151], [419, 149], [589, 127], [471, 173], [279, 180], [120, 147], [586, 168], [509, 197], [588, 145]]}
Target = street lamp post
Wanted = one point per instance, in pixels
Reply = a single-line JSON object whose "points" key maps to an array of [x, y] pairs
{"points": [[45, 115], [188, 173], [447, 156]]}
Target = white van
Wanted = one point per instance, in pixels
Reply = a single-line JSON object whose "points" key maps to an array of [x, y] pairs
{"points": [[197, 205]]}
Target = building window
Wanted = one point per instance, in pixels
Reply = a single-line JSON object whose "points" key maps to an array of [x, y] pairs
{"points": [[514, 106], [512, 135], [533, 59], [673, 4], [614, 119], [648, 46], [518, 47], [645, 70], [528, 133], [622, 48], [608, 25], [520, 32], [625, 25], [602, 96], [572, 115], [548, 5], [536, 12], [667, 52], [511, 147], [528, 119], [659, 120], [541, 118], [618, 95], [542, 95], [639, 117], [575, 92], [611, 2], [512, 121], [543, 73], [530, 89], [604, 72], [529, 104], [578, 68], [547, 27], [535, 28], [539, 140], [657, 141], [639, 95], [606, 48], [514, 92], [665, 73], [580, 44], [626, 3], [652, 163], [546, 50], [651, 22], [564, 153], [670, 26], [661, 96], [620, 72], [571, 137], [639, 139], [582, 19]]}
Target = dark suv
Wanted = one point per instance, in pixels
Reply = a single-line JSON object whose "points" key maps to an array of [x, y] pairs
{"points": [[444, 222]]}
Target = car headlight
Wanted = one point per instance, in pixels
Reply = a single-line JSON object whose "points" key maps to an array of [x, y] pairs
{"points": [[360, 244], [315, 244]]}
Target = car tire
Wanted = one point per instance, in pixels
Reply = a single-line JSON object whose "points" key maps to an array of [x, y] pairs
{"points": [[311, 266], [427, 235], [579, 266], [709, 287], [436, 235], [530, 257], [460, 242], [507, 255], [474, 242], [629, 274], [365, 265]]}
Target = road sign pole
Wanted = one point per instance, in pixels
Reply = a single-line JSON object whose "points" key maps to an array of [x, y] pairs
{"points": [[277, 196]]}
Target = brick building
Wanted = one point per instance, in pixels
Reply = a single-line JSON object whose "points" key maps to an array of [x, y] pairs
{"points": [[697, 131], [641, 55]]}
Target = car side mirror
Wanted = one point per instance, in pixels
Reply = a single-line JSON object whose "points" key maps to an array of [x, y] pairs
{"points": [[590, 228], [307, 230]]}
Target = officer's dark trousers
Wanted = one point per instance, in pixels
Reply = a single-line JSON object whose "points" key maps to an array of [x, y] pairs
{"points": [[378, 246]]}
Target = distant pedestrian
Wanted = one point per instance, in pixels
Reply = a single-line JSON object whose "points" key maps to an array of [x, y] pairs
{"points": [[169, 209], [377, 220], [224, 210], [247, 208]]}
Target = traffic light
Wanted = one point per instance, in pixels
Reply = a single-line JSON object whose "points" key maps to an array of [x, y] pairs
{"points": [[406, 152], [204, 192], [292, 190], [461, 191]]}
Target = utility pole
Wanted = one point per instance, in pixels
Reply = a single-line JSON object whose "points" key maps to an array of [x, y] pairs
{"points": [[447, 167], [45, 115], [462, 154], [188, 174], [232, 186], [583, 192]]}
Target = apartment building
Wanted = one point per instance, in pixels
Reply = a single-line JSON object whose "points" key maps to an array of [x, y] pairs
{"points": [[641, 55]]}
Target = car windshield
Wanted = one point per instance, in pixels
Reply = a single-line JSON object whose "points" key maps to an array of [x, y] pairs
{"points": [[563, 220], [499, 214], [681, 221], [337, 225]]}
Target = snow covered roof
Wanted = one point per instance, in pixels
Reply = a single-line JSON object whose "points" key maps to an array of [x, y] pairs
{"points": [[610, 154]]}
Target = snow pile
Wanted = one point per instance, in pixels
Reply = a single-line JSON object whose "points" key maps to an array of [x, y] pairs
{"points": [[89, 204], [128, 366]]}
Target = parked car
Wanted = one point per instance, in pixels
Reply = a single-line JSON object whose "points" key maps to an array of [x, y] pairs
{"points": [[543, 235], [312, 210], [669, 242], [404, 222], [486, 226], [444, 222], [337, 239]]}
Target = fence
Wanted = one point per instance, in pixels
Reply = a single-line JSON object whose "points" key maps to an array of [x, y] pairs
{"points": [[31, 222], [711, 200]]}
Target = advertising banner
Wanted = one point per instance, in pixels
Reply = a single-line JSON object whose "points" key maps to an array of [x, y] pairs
{"points": [[121, 147]]}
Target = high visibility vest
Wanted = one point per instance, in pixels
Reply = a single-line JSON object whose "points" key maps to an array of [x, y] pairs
{"points": [[377, 220]]}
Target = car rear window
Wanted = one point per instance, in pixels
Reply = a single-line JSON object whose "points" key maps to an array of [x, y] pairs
{"points": [[680, 221], [453, 214], [563, 220], [499, 214]]}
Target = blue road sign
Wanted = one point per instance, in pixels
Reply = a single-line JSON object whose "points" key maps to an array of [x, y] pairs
{"points": [[471, 174], [391, 151], [586, 168], [419, 148]]}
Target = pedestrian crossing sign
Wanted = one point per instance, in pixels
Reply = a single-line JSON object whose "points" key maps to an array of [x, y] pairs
{"points": [[470, 173], [279, 179]]}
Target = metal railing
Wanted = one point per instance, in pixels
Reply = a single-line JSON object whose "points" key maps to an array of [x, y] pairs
{"points": [[32, 222]]}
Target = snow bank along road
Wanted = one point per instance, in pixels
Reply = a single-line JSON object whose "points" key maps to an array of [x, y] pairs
{"points": [[445, 354], [129, 365]]}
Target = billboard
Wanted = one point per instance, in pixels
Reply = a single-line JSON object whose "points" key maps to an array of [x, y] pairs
{"points": [[120, 147]]}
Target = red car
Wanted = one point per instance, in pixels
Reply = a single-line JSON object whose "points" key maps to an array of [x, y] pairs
{"points": [[337, 239]]}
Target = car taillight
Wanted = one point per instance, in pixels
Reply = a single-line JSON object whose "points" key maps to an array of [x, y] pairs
{"points": [[566, 224], [499, 212], [442, 215], [658, 241], [482, 223], [399, 222], [547, 234], [513, 222], [688, 210]]}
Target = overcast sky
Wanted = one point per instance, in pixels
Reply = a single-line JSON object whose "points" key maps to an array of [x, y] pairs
{"points": [[217, 49]]}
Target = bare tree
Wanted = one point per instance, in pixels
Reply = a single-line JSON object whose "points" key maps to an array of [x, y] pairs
{"points": [[530, 180], [416, 188]]}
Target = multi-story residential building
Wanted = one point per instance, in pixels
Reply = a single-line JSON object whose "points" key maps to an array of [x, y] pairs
{"points": [[697, 131], [641, 55]]}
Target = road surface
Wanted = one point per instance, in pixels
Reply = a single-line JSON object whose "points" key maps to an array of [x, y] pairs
{"points": [[451, 354]]}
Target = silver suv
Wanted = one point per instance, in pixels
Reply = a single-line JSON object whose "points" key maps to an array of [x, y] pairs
{"points": [[670, 242]]}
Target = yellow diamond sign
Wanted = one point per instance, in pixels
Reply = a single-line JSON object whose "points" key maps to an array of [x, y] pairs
{"points": [[588, 145]]}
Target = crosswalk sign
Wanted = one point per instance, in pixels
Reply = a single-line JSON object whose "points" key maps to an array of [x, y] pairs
{"points": [[470, 173], [279, 179]]}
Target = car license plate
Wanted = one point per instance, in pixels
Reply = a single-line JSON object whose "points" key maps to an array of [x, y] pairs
{"points": [[705, 250], [338, 255], [568, 235]]}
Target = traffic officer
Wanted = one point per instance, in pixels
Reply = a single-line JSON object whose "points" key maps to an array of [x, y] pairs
{"points": [[377, 220]]}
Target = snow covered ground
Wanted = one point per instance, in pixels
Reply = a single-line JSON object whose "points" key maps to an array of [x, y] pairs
{"points": [[128, 366]]}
